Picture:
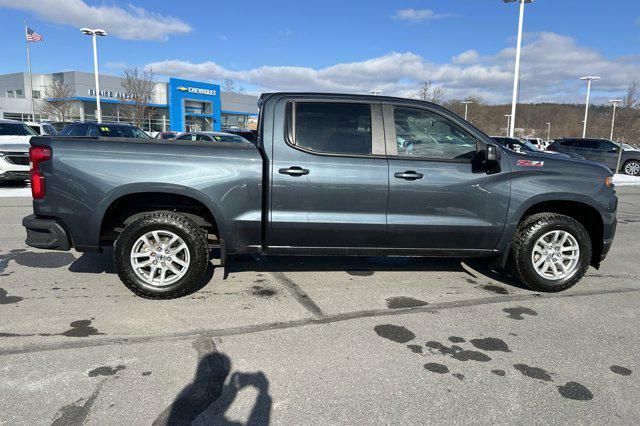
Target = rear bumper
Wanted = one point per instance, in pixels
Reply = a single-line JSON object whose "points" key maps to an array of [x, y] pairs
{"points": [[13, 175], [46, 233]]}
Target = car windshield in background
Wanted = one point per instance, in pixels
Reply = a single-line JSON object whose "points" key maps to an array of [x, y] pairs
{"points": [[121, 131], [229, 138], [16, 129], [516, 144]]}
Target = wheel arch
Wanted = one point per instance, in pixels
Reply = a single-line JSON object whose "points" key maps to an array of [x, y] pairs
{"points": [[581, 208], [131, 201]]}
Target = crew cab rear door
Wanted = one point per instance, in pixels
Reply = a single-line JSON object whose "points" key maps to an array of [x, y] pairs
{"points": [[440, 198], [329, 182]]}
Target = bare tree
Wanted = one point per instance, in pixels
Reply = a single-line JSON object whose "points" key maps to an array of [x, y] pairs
{"points": [[57, 105], [628, 116], [430, 92], [229, 86], [139, 87]]}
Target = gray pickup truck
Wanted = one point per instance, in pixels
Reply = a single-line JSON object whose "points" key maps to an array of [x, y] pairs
{"points": [[329, 175]]}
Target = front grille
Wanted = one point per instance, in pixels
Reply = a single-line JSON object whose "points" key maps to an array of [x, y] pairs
{"points": [[17, 158]]}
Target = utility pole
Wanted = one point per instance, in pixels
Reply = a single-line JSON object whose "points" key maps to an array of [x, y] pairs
{"points": [[589, 79], [548, 131], [466, 108], [615, 103], [516, 74]]}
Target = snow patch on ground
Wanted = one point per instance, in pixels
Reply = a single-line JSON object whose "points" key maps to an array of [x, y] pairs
{"points": [[7, 192], [626, 180]]}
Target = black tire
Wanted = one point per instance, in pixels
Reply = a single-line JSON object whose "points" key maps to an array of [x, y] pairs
{"points": [[636, 171], [524, 239], [194, 237]]}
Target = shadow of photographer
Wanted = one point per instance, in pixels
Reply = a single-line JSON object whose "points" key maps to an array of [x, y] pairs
{"points": [[214, 390]]}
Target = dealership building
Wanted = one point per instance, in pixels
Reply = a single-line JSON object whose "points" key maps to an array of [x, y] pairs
{"points": [[178, 105]]}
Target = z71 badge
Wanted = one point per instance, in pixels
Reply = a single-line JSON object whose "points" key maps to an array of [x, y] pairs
{"points": [[530, 163]]}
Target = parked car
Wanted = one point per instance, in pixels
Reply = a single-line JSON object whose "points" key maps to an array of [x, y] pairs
{"points": [[331, 175], [523, 146], [601, 151], [166, 135], [116, 130], [14, 150], [211, 137], [250, 135], [540, 143], [42, 128]]}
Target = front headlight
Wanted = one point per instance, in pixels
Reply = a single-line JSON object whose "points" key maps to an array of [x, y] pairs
{"points": [[2, 154]]}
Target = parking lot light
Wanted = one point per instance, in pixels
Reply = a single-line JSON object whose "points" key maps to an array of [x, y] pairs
{"points": [[516, 74], [615, 103], [548, 131], [95, 33], [588, 79], [466, 108]]}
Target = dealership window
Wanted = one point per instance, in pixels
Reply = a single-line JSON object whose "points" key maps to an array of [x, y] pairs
{"points": [[331, 127], [11, 94], [36, 94], [234, 121], [19, 93]]}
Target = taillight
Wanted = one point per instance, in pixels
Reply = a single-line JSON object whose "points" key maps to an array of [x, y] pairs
{"points": [[37, 155]]}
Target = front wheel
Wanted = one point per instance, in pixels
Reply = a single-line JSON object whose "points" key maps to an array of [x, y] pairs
{"points": [[550, 252], [162, 255], [632, 168]]}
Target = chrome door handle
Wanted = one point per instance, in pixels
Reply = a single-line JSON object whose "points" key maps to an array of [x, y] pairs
{"points": [[408, 175], [294, 171]]}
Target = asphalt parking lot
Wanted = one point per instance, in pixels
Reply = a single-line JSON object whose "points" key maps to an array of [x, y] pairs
{"points": [[305, 340]]}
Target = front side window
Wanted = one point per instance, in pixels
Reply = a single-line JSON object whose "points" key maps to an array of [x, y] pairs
{"points": [[424, 134], [188, 137], [607, 146], [586, 144], [334, 128]]}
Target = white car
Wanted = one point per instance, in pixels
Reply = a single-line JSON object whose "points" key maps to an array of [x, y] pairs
{"points": [[42, 128], [14, 150]]}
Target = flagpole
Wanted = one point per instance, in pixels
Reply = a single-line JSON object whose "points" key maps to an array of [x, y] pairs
{"points": [[26, 40]]}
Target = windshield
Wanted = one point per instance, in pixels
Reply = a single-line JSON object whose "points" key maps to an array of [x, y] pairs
{"points": [[516, 144], [116, 131], [16, 129], [229, 138]]}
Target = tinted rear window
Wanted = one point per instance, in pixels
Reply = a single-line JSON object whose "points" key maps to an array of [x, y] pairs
{"points": [[339, 128]]}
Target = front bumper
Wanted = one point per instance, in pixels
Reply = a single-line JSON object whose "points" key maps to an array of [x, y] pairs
{"points": [[46, 233], [12, 167]]}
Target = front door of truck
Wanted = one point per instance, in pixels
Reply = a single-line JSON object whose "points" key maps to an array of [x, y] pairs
{"points": [[329, 183], [438, 197]]}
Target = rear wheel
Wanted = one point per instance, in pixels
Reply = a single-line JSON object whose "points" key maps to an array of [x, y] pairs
{"points": [[632, 167], [550, 252], [162, 255]]}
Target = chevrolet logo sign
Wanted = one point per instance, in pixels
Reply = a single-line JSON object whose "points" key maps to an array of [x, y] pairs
{"points": [[182, 88]]}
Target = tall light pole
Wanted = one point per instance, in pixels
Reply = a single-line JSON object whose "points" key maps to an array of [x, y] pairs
{"points": [[615, 103], [508, 123], [589, 79], [95, 33], [548, 131], [516, 73], [466, 108]]}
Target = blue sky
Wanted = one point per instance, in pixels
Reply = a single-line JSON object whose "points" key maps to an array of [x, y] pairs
{"points": [[349, 46]]}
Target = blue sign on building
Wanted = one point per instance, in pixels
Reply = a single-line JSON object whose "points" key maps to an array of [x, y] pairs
{"points": [[194, 106]]}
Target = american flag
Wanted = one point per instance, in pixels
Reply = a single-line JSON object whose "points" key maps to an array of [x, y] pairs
{"points": [[33, 37]]}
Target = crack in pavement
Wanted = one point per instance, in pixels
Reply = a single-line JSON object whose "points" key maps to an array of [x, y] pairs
{"points": [[234, 331], [301, 296]]}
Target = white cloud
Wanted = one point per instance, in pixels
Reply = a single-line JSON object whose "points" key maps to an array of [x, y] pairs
{"points": [[418, 15], [129, 24], [551, 66], [466, 58]]}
